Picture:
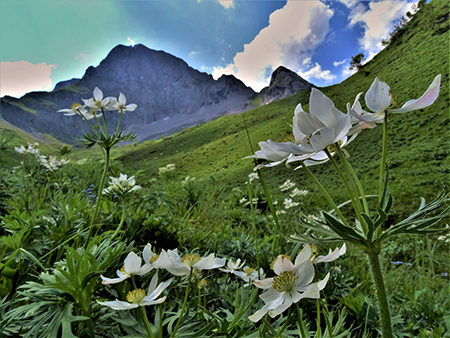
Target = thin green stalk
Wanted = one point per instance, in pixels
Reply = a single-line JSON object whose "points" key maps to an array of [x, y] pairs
{"points": [[183, 307], [104, 122], [118, 123], [324, 192], [121, 221], [319, 329], [99, 197], [285, 323], [380, 290], [383, 158], [148, 328], [300, 323], [350, 171], [351, 191]]}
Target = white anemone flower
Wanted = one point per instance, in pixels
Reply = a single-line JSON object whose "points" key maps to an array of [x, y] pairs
{"points": [[121, 186], [292, 283], [138, 297], [247, 274], [97, 102], [182, 266], [380, 101], [78, 109], [313, 132], [122, 106], [232, 266], [131, 266], [332, 255], [51, 163]]}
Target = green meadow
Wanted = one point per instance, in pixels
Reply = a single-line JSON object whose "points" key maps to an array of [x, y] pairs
{"points": [[178, 237]]}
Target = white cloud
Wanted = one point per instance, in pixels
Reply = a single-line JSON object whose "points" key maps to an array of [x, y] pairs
{"points": [[377, 20], [19, 78], [130, 41], [226, 3], [294, 31], [338, 63], [318, 73]]}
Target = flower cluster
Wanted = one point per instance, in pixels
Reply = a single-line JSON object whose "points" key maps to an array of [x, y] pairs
{"points": [[317, 133], [50, 162], [287, 185], [92, 107], [121, 186]]}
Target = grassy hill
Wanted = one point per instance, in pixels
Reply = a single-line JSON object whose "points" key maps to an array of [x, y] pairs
{"points": [[418, 141]]}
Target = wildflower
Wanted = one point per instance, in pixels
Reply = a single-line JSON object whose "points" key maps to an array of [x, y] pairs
{"points": [[242, 200], [182, 266], [331, 255], [131, 266], [121, 186], [78, 109], [51, 163], [292, 283], [253, 176], [380, 101], [298, 192], [232, 266], [247, 274], [97, 102], [121, 105], [287, 185], [138, 297], [289, 204]]}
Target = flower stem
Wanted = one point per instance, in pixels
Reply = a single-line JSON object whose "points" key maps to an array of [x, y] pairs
{"points": [[351, 191], [383, 158], [99, 196], [121, 222], [183, 307], [300, 323], [148, 328], [325, 193], [285, 323], [383, 305]]}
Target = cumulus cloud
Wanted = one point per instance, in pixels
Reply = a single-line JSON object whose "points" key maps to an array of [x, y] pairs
{"points": [[293, 33], [377, 20], [130, 41], [19, 78], [226, 3], [338, 63], [318, 73]]}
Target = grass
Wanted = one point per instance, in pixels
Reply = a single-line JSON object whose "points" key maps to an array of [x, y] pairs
{"points": [[418, 141]]}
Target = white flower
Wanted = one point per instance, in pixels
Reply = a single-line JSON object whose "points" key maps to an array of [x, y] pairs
{"points": [[247, 274], [298, 192], [242, 200], [379, 100], [332, 255], [121, 105], [289, 204], [97, 102], [131, 266], [138, 297], [78, 109], [232, 266], [292, 283], [182, 266], [287, 185], [51, 163], [253, 176], [121, 186]]}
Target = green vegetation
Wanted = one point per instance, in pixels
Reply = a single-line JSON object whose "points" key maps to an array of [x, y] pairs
{"points": [[68, 232]]}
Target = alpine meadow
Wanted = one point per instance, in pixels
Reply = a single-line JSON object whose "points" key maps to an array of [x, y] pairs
{"points": [[322, 214]]}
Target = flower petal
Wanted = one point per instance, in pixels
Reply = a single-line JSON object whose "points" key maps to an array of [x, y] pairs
{"points": [[119, 305], [378, 97], [425, 100], [132, 263]]}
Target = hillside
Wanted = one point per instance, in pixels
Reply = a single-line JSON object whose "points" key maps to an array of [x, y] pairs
{"points": [[418, 156]]}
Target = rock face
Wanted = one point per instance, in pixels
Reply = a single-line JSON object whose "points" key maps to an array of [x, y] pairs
{"points": [[284, 83], [170, 96]]}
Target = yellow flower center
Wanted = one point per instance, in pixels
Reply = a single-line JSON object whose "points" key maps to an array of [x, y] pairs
{"points": [[75, 106], [275, 259], [122, 269], [190, 259], [202, 284], [136, 296], [153, 259], [332, 147], [285, 282], [249, 271], [313, 250]]}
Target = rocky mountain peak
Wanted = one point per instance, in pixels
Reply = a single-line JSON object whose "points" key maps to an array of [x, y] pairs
{"points": [[283, 83]]}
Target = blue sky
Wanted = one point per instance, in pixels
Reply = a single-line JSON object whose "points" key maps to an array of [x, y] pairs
{"points": [[44, 42]]}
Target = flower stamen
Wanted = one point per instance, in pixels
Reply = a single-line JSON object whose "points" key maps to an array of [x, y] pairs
{"points": [[285, 282], [136, 296]]}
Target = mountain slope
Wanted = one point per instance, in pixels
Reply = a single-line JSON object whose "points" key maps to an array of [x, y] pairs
{"points": [[170, 96], [418, 141]]}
